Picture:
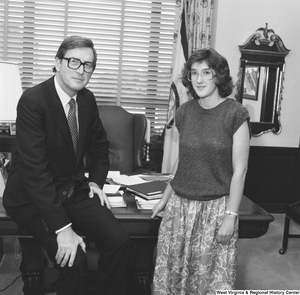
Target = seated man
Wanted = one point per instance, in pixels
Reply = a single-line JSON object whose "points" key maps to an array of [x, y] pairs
{"points": [[46, 192]]}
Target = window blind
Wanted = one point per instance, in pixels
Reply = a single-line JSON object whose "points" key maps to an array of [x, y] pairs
{"points": [[133, 39]]}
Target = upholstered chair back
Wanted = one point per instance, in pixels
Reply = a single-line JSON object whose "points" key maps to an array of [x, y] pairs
{"points": [[125, 132]]}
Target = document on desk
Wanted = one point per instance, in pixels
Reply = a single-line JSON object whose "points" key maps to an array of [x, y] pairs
{"points": [[112, 174], [126, 180], [111, 188]]}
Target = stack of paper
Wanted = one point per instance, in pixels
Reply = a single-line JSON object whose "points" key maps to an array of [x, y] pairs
{"points": [[145, 204], [114, 195], [116, 201], [154, 177]]}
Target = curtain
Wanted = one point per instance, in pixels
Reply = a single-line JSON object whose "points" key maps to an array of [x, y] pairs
{"points": [[193, 23]]}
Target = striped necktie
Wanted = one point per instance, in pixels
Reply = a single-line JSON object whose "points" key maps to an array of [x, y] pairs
{"points": [[72, 121]]}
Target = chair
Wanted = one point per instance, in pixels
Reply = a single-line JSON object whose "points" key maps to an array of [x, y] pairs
{"points": [[125, 132], [292, 213]]}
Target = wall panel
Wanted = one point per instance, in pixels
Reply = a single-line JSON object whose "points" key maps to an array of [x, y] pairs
{"points": [[272, 177]]}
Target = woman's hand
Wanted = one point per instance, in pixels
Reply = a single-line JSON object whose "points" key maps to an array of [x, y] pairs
{"points": [[158, 207], [163, 201], [226, 230]]}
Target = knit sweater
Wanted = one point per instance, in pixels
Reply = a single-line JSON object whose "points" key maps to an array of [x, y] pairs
{"points": [[205, 169]]}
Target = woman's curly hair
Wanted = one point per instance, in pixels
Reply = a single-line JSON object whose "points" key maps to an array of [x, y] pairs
{"points": [[217, 63]]}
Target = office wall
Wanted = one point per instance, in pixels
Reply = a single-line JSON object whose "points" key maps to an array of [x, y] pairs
{"points": [[234, 22]]}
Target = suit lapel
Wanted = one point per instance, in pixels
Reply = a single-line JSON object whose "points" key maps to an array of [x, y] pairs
{"points": [[60, 119], [58, 112], [82, 124]]}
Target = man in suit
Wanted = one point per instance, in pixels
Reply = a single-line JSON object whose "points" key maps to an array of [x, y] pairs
{"points": [[47, 192]]}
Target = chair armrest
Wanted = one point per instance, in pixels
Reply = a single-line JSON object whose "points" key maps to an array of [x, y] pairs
{"points": [[140, 124]]}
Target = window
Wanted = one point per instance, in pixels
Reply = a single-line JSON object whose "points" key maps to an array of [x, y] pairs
{"points": [[133, 39]]}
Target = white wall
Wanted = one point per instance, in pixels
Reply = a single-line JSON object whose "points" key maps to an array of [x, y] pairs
{"points": [[234, 22]]}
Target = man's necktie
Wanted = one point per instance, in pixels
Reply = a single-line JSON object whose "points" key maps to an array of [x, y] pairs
{"points": [[73, 123]]}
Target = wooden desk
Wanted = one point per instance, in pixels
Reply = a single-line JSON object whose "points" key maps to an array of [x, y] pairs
{"points": [[253, 223]]}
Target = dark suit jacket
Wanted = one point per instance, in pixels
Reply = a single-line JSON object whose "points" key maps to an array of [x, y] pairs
{"points": [[44, 164]]}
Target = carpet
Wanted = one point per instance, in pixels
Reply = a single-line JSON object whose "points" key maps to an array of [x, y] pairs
{"points": [[261, 267]]}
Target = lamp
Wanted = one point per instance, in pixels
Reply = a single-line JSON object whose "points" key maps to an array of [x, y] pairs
{"points": [[10, 92]]}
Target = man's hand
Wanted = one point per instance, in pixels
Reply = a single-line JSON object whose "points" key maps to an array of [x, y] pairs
{"points": [[95, 189], [68, 242]]}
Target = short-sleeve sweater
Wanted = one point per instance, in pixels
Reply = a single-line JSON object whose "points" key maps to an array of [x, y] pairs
{"points": [[205, 169]]}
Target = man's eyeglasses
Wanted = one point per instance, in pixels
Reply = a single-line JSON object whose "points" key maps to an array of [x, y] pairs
{"points": [[75, 63], [205, 74]]}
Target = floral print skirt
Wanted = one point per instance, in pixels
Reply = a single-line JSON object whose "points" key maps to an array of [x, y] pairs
{"points": [[189, 259]]}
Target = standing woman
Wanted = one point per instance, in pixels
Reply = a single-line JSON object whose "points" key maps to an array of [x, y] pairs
{"points": [[197, 244]]}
